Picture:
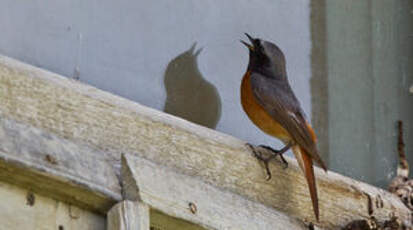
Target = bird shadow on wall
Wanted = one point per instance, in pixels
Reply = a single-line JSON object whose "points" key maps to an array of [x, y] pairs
{"points": [[188, 94]]}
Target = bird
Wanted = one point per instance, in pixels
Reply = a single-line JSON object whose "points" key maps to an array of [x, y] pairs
{"points": [[270, 103]]}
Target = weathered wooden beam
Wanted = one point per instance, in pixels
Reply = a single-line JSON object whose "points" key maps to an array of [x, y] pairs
{"points": [[114, 125], [128, 215], [193, 200], [57, 168]]}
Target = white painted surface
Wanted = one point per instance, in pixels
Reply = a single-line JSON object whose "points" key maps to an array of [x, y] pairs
{"points": [[124, 46]]}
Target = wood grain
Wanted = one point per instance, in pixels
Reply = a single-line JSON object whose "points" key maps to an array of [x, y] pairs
{"points": [[113, 125], [25, 209], [128, 215], [193, 200]]}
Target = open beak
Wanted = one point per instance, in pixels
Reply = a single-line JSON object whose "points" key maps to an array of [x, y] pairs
{"points": [[249, 46]]}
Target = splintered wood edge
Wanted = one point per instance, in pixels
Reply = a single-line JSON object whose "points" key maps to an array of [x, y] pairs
{"points": [[114, 125], [130, 189]]}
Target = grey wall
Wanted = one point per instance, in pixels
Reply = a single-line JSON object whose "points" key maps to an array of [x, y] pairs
{"points": [[369, 71], [125, 46]]}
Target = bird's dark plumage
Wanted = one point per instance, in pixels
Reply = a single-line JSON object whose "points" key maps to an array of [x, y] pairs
{"points": [[270, 103], [277, 98]]}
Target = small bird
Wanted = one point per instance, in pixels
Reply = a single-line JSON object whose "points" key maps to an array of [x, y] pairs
{"points": [[269, 102]]}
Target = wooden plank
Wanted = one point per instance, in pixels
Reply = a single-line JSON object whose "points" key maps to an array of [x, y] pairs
{"points": [[25, 209], [193, 200], [114, 125], [55, 167], [128, 215], [161, 221]]}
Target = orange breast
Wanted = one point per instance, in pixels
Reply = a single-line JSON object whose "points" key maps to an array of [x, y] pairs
{"points": [[257, 114]]}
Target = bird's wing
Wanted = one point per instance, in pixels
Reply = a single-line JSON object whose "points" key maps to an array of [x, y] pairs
{"points": [[279, 101]]}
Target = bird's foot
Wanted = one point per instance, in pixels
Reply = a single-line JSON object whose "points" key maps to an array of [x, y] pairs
{"points": [[275, 153], [259, 155]]}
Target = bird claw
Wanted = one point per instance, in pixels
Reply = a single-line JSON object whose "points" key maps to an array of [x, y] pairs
{"points": [[275, 153], [266, 160]]}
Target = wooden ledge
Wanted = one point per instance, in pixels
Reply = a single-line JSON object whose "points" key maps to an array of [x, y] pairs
{"points": [[110, 125], [194, 200]]}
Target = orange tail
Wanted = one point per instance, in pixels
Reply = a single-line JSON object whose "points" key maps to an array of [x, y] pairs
{"points": [[306, 164]]}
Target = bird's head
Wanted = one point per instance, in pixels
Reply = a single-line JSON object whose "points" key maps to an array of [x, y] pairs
{"points": [[265, 57]]}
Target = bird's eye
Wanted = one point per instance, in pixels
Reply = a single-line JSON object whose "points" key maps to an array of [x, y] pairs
{"points": [[258, 45]]}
